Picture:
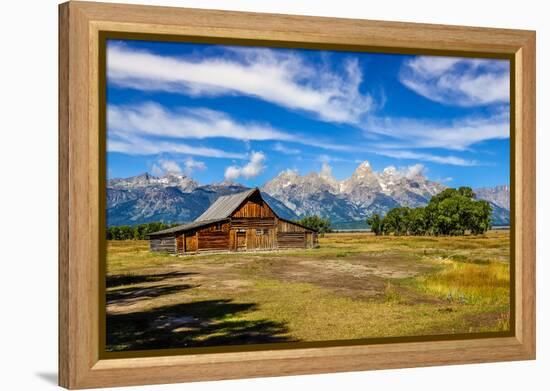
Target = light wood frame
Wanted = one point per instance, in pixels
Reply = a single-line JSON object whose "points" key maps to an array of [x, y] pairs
{"points": [[80, 23]]}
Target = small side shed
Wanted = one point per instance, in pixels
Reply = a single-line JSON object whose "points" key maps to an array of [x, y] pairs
{"points": [[237, 222]]}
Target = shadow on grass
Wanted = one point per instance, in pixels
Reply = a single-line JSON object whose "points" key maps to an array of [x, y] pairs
{"points": [[200, 323], [130, 279], [126, 296]]}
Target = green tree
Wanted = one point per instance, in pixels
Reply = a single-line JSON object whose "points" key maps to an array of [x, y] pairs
{"points": [[137, 232], [396, 221], [375, 224], [418, 225], [317, 223], [451, 212]]}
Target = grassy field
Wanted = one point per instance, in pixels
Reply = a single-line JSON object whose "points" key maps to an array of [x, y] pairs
{"points": [[355, 285]]}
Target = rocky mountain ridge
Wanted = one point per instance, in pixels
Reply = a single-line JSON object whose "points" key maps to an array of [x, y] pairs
{"points": [[178, 198]]}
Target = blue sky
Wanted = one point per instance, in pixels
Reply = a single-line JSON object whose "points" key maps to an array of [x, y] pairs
{"points": [[245, 114]]}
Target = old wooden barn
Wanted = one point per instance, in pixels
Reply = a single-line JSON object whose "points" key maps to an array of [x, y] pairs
{"points": [[237, 222]]}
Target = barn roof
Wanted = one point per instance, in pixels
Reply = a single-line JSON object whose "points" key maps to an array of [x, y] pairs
{"points": [[225, 205], [220, 210], [186, 227]]}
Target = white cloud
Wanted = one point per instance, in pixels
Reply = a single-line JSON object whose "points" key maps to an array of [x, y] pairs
{"points": [[426, 157], [458, 81], [150, 119], [457, 135], [280, 77], [153, 119], [414, 170], [192, 165], [326, 171], [324, 158], [250, 170], [286, 150], [133, 145], [170, 166], [163, 167], [407, 171]]}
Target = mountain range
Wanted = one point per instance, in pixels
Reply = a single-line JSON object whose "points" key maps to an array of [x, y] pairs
{"points": [[347, 203]]}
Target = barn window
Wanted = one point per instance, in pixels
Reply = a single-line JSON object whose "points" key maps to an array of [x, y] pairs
{"points": [[259, 232], [218, 226]]}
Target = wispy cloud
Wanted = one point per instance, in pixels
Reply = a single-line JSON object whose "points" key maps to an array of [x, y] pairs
{"points": [[152, 119], [253, 168], [149, 119], [134, 145], [407, 171], [426, 157], [456, 135], [326, 171], [279, 147], [165, 167], [458, 81], [284, 78], [191, 165], [324, 158]]}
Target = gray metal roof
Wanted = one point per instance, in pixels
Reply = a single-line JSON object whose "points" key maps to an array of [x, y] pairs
{"points": [[225, 205], [186, 227], [220, 210]]}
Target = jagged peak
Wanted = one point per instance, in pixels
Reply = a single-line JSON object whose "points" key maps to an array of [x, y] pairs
{"points": [[144, 175], [228, 183], [364, 164], [289, 172], [390, 171]]}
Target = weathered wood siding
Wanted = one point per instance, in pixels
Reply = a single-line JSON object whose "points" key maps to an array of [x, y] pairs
{"points": [[190, 242], [253, 226], [260, 239], [290, 235], [254, 207], [165, 244], [180, 244], [285, 226], [253, 222], [213, 238], [291, 239]]}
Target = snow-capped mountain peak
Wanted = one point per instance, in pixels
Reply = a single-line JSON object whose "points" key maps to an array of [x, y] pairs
{"points": [[178, 198], [181, 181], [357, 194]]}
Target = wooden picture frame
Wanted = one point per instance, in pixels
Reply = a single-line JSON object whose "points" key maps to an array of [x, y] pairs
{"points": [[80, 165]]}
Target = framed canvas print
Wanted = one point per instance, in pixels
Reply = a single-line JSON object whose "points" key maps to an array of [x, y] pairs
{"points": [[247, 195]]}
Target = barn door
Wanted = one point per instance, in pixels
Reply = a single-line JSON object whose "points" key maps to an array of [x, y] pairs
{"points": [[241, 240], [309, 240], [180, 243]]}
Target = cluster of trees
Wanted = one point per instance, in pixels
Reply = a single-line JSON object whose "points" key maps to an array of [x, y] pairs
{"points": [[137, 232], [451, 212], [317, 223]]}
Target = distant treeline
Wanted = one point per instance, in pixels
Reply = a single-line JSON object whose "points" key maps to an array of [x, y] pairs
{"points": [[451, 212], [136, 232]]}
